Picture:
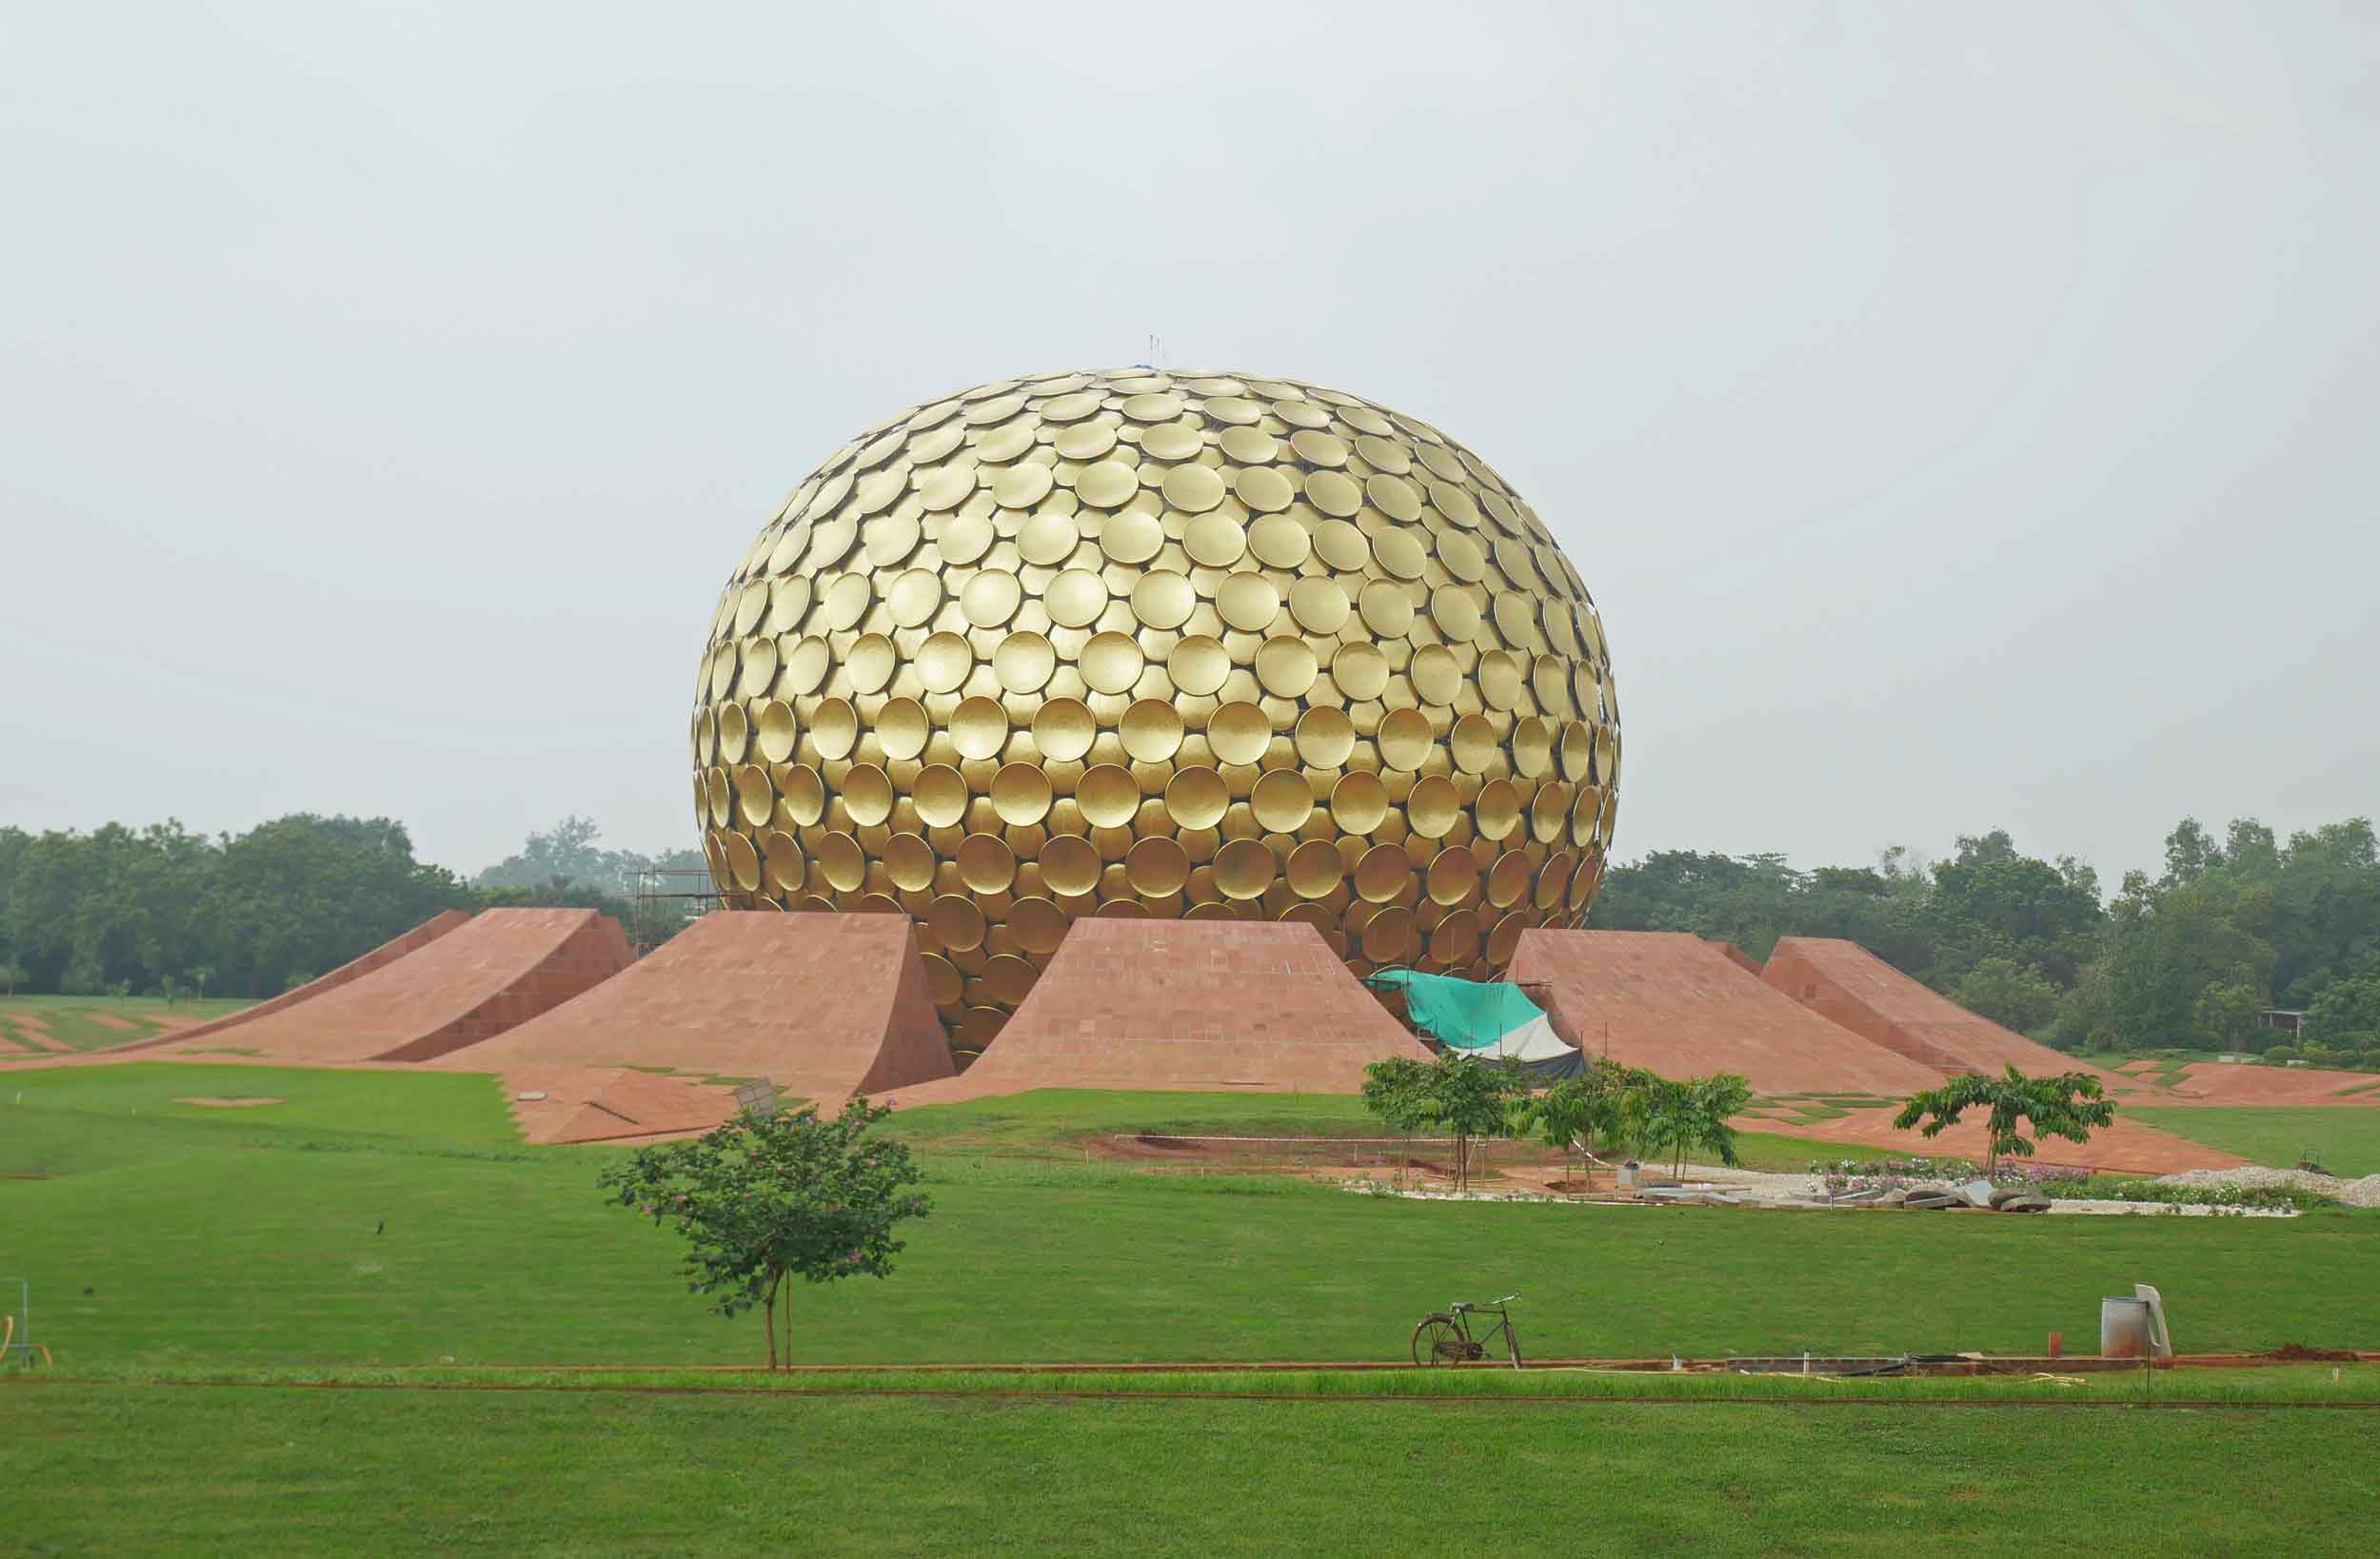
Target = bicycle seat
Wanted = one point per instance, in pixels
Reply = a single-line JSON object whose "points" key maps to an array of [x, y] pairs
{"points": [[1459, 1307]]}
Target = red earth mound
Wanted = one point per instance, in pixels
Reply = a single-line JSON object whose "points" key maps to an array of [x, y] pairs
{"points": [[378, 957], [1848, 985], [471, 983], [822, 1005], [1682, 1007], [1254, 1006], [2215, 1082]]}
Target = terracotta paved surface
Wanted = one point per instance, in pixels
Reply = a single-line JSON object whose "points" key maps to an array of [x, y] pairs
{"points": [[1264, 1007], [504, 967], [1847, 984], [386, 953], [608, 1104], [2213, 1082], [822, 1005], [2126, 1146], [1682, 1007]]}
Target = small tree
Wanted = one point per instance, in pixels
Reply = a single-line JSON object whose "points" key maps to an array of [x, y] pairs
{"points": [[1455, 1093], [2068, 1105], [200, 975], [767, 1197], [11, 976], [1604, 1105], [1694, 1113]]}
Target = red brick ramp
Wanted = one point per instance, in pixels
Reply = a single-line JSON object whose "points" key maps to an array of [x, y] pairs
{"points": [[556, 1104], [378, 957], [1245, 1006], [1847, 984], [822, 1005], [2126, 1147], [1681, 1007], [504, 967], [2217, 1082]]}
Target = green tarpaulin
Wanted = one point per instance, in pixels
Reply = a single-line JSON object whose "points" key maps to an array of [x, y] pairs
{"points": [[1465, 1014]]}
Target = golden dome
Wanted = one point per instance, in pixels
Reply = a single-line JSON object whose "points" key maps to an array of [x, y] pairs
{"points": [[1157, 643]]}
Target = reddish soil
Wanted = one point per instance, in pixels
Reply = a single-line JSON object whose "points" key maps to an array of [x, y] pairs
{"points": [[216, 1102], [611, 1104], [2215, 1082], [2126, 1146]]}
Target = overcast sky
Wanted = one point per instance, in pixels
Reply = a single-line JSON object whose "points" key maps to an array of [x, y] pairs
{"points": [[1963, 415]]}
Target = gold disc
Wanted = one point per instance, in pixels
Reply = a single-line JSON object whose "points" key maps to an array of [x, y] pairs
{"points": [[909, 861], [1286, 666], [777, 731], [1360, 671], [1359, 803], [964, 538], [1316, 868], [1151, 731], [1264, 489], [1388, 936], [1333, 493], [1325, 738], [1023, 663], [1500, 679], [1505, 938], [1132, 538], [1247, 602], [1243, 869], [1577, 751], [755, 797], [869, 662], [1038, 924], [1197, 797], [940, 796], [978, 727], [942, 980], [1157, 866], [1164, 601], [1106, 484], [839, 862], [1405, 740], [1020, 793], [867, 794], [1508, 881], [784, 858], [1318, 449], [1549, 813], [1215, 540], [803, 795], [944, 661], [743, 862], [1554, 879], [1048, 538], [1108, 795], [1070, 865], [985, 864], [1063, 729], [1238, 733], [1085, 441], [1432, 806], [1455, 939], [1022, 486], [1076, 597], [1454, 876], [1341, 545], [1198, 664], [1282, 801], [1157, 406], [915, 597], [1437, 676], [1319, 604], [1533, 748], [990, 597], [1171, 441], [834, 728], [1497, 810], [1394, 497], [1473, 743], [1248, 446], [955, 923], [1111, 662], [1193, 489], [1387, 609]]}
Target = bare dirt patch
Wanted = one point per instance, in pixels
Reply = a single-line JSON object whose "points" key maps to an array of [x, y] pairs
{"points": [[240, 1102]]}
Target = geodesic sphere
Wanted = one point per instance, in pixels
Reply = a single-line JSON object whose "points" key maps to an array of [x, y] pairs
{"points": [[1157, 643]]}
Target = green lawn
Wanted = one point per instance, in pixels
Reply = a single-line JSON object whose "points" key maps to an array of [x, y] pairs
{"points": [[173, 1237], [246, 1469], [2344, 1138], [74, 1021]]}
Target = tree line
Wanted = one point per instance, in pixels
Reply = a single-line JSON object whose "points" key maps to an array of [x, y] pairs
{"points": [[164, 911], [2187, 958]]}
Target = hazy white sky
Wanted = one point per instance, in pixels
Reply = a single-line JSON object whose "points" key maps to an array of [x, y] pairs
{"points": [[1964, 416]]}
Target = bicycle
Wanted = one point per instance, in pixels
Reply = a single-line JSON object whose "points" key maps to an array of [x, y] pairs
{"points": [[1445, 1337]]}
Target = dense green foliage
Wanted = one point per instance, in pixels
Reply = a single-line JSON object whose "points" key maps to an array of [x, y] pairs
{"points": [[2189, 958], [2068, 1105], [771, 1196], [162, 910]]}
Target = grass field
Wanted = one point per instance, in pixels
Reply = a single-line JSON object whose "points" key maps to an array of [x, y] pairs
{"points": [[382, 1226], [94, 1022], [2344, 1139]]}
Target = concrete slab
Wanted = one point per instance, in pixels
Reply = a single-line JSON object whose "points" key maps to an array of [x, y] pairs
{"points": [[1681, 1007], [822, 1005], [1243, 1006]]}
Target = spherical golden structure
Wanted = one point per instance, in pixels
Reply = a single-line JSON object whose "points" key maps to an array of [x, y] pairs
{"points": [[1157, 643]]}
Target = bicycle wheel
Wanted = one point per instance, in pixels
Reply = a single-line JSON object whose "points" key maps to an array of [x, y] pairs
{"points": [[1438, 1340]]}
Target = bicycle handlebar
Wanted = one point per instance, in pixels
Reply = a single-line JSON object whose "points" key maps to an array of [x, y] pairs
{"points": [[1483, 1304]]}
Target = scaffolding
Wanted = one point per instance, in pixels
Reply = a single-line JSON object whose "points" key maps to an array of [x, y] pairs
{"points": [[667, 900]]}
